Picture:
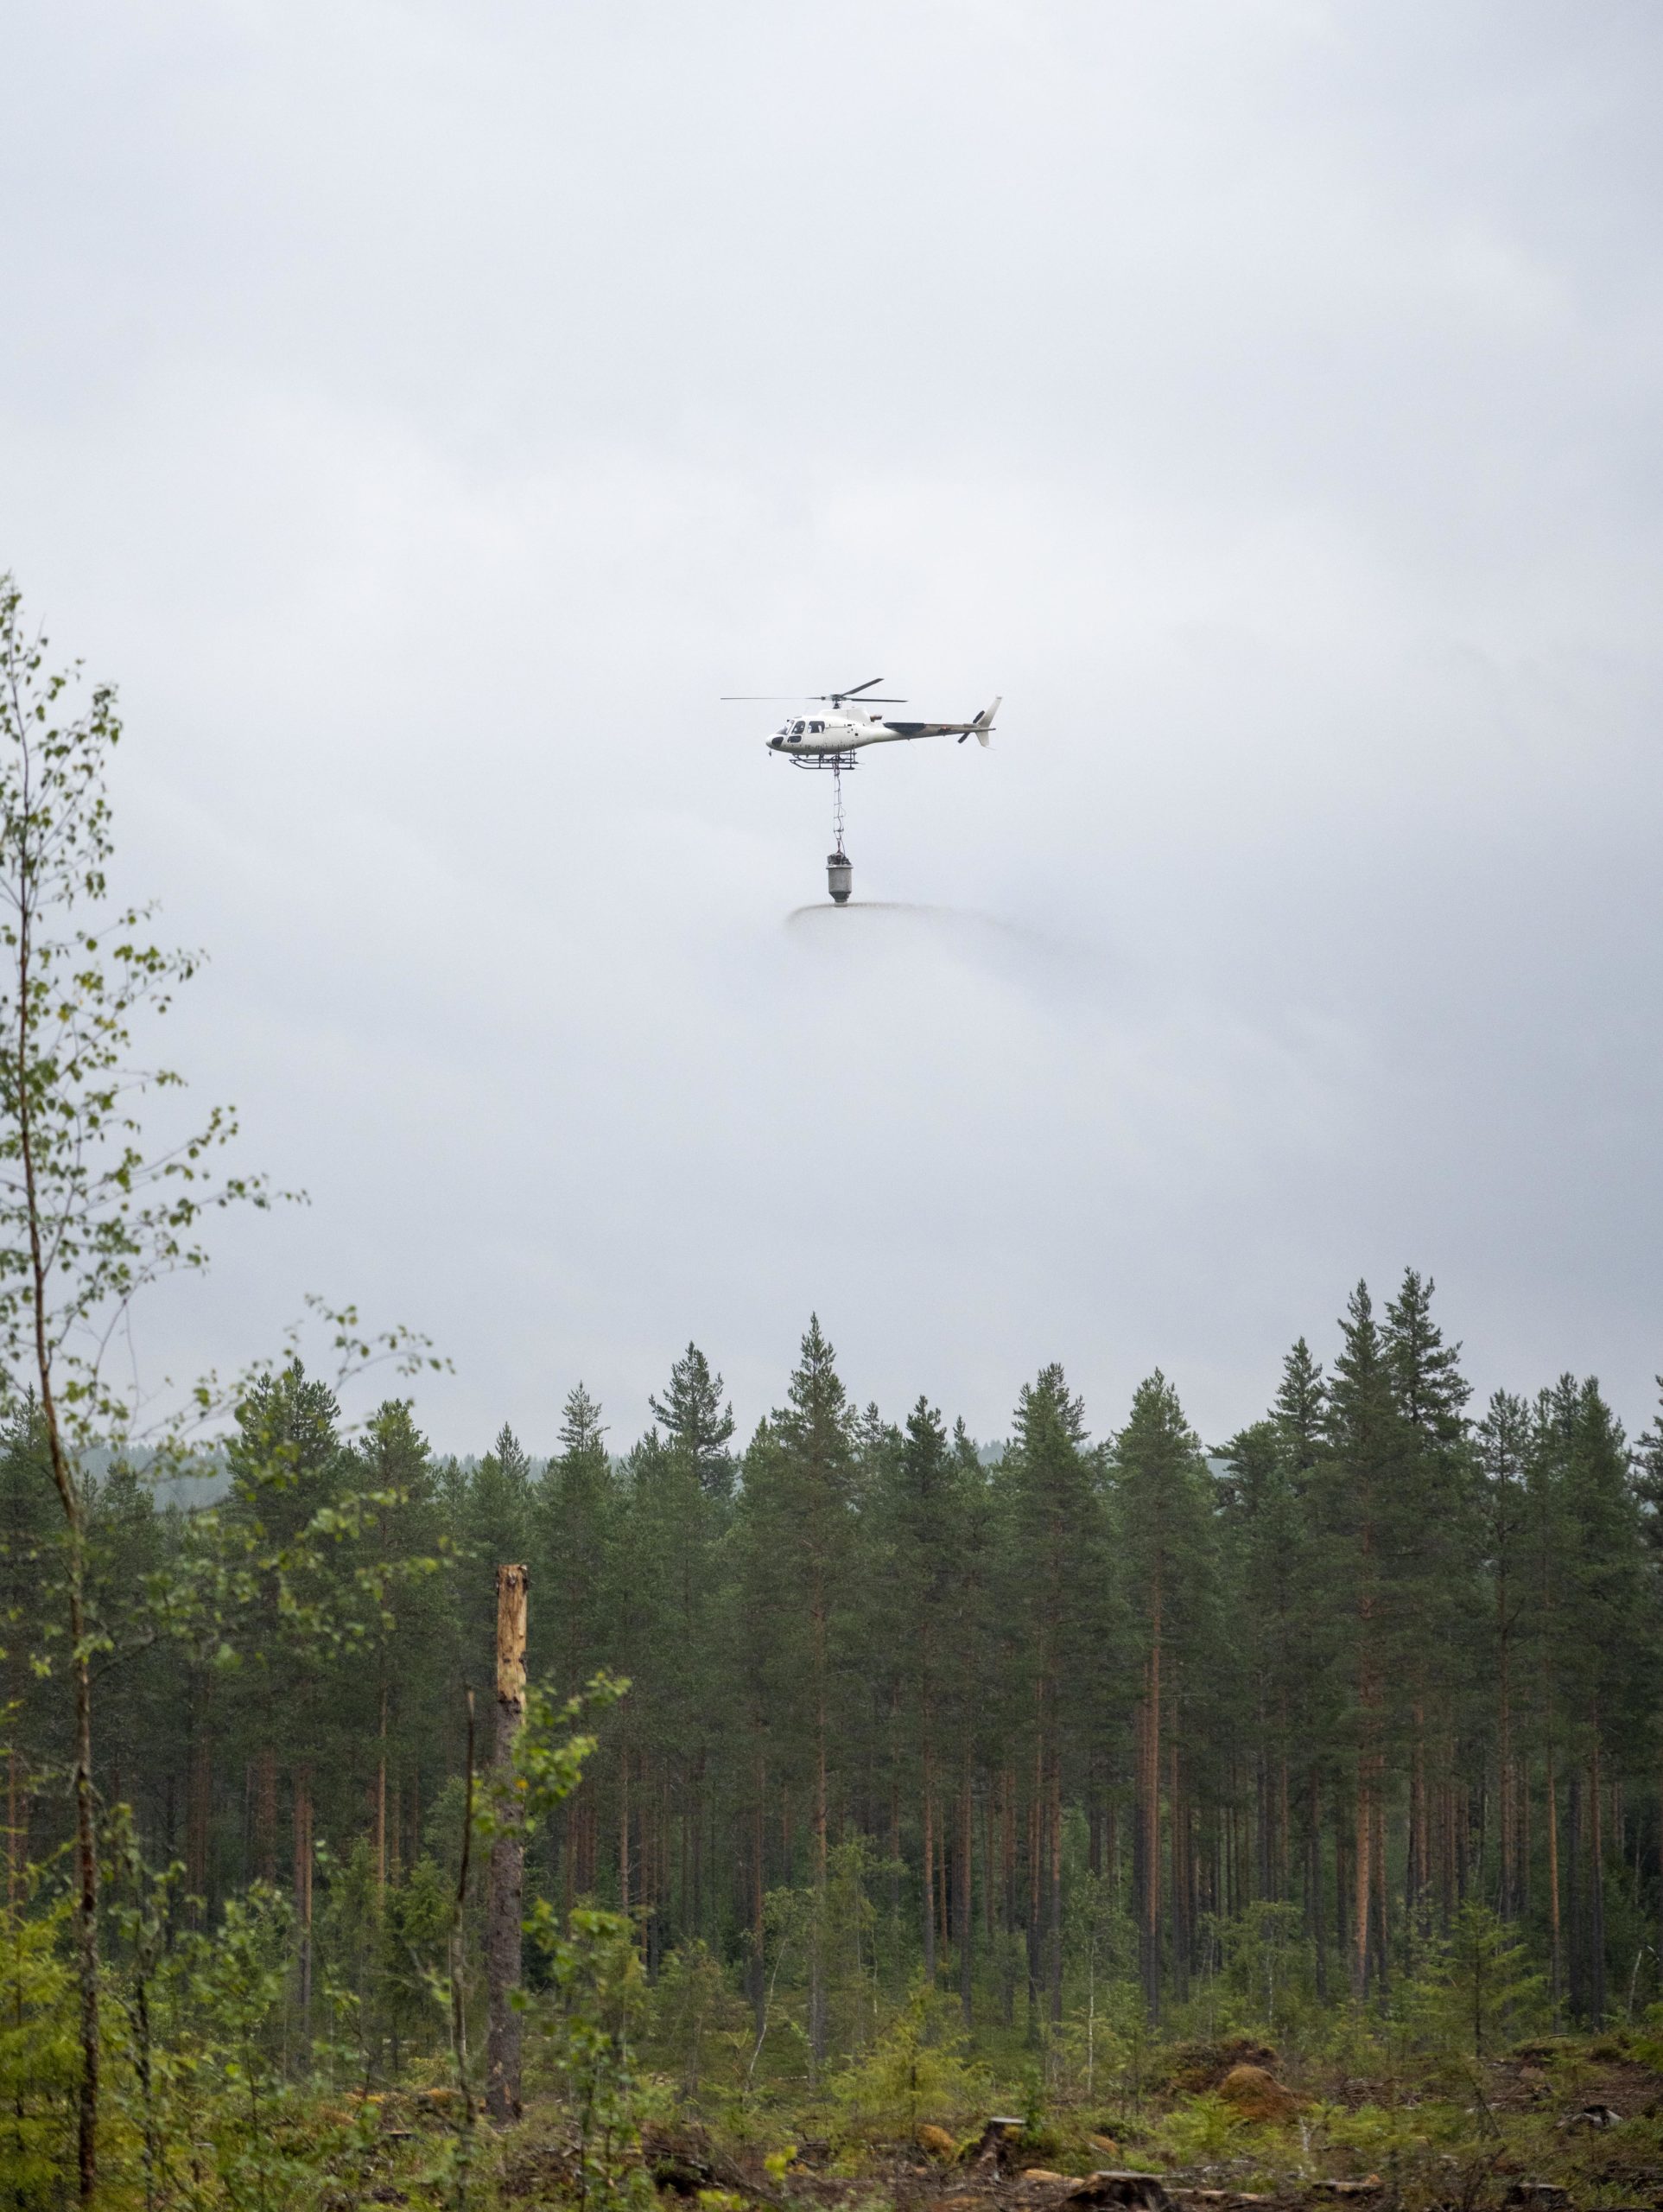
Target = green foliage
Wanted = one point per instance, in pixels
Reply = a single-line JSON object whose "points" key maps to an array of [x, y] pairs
{"points": [[415, 1922], [548, 1758], [1266, 1978], [1479, 1991], [40, 2064], [238, 1982], [1374, 2138], [595, 1973], [918, 2068], [695, 2016], [1200, 2131]]}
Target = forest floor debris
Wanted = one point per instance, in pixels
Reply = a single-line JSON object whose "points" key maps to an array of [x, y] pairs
{"points": [[1531, 2131]]}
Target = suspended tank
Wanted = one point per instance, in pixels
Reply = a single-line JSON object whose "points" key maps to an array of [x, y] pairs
{"points": [[840, 875]]}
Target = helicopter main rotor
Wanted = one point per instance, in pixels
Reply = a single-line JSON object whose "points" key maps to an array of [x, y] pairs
{"points": [[821, 698]]}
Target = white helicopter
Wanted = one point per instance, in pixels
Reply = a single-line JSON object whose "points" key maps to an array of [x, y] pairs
{"points": [[834, 741], [828, 741]]}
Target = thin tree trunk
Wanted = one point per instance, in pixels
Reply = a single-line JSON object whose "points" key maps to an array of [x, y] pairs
{"points": [[1341, 1932], [989, 1883], [1556, 1954], [303, 1894], [198, 1791], [1382, 1923], [1511, 1902], [17, 1847], [1054, 1889], [927, 1885], [1177, 1872], [759, 1992], [817, 2008], [507, 1869], [1418, 1862], [1576, 1950], [87, 1854], [1007, 1895], [1035, 1854], [1595, 1894], [69, 1497], [265, 1813], [381, 1797], [1364, 1861], [962, 1895], [1151, 1815], [1317, 1916]]}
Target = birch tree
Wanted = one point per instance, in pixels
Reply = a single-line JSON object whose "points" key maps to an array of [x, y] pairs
{"points": [[91, 1209]]}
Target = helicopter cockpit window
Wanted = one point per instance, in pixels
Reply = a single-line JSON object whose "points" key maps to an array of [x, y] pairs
{"points": [[795, 730]]}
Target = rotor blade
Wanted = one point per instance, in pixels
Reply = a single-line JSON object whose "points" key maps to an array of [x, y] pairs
{"points": [[855, 689], [777, 697]]}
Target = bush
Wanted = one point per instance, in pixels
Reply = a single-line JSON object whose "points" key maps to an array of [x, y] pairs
{"points": [[918, 2070]]}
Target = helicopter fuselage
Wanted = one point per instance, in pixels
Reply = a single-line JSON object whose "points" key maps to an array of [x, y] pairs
{"points": [[806, 735]]}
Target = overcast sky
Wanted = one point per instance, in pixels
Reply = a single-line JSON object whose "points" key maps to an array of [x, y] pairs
{"points": [[424, 412]]}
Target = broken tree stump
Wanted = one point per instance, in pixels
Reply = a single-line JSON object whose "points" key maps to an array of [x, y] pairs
{"points": [[506, 1883]]}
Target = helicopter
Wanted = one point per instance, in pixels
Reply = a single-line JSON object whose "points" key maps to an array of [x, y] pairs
{"points": [[832, 741], [817, 741]]}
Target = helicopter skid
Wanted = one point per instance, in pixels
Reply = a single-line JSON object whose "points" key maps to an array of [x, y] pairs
{"points": [[823, 759]]}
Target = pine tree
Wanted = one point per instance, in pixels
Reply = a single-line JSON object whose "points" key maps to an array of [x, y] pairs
{"points": [[1264, 1538], [1593, 1658], [285, 1469], [1055, 1599], [798, 1534], [1300, 1414], [127, 1544], [1647, 1473], [1299, 1418], [1434, 1543], [494, 1529], [698, 1424], [1357, 1500], [914, 1586], [670, 1536], [574, 1513], [289, 1478], [1609, 1660], [973, 1702], [410, 1569], [1504, 1449], [1164, 1539]]}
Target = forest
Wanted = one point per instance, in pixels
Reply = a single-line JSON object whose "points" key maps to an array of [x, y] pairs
{"points": [[1073, 1726], [838, 1815], [1369, 1660]]}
